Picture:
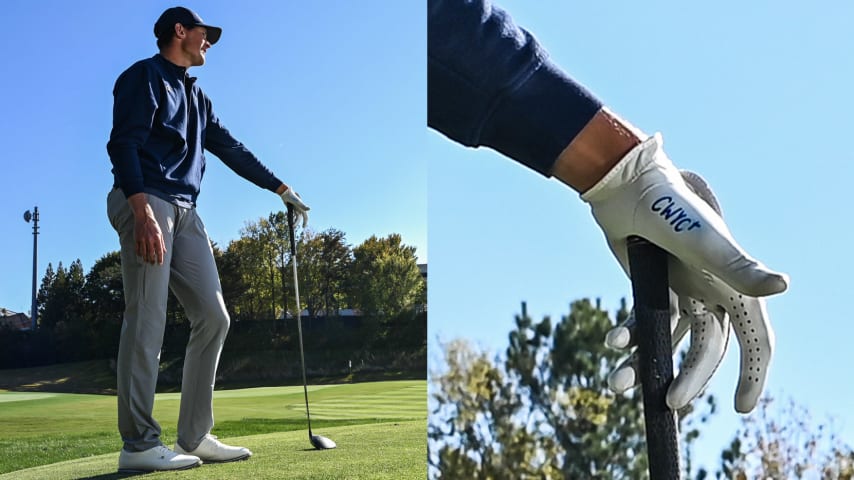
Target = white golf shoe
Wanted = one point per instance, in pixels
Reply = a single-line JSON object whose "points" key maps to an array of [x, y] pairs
{"points": [[155, 459], [213, 451]]}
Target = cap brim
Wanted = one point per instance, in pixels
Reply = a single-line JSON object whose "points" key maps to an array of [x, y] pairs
{"points": [[213, 33]]}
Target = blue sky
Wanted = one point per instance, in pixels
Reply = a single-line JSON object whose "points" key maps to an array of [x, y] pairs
{"points": [[329, 95], [755, 96]]}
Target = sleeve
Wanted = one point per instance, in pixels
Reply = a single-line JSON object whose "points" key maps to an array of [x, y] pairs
{"points": [[220, 142], [135, 98], [490, 83]]}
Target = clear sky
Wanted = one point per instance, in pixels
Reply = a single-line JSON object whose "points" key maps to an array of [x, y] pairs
{"points": [[755, 96], [331, 96]]}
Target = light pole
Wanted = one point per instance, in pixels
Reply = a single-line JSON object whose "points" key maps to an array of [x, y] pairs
{"points": [[34, 216]]}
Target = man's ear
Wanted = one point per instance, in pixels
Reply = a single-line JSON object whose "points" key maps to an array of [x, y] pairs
{"points": [[180, 31]]}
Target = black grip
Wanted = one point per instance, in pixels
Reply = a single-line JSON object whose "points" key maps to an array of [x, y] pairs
{"points": [[291, 229], [648, 266]]}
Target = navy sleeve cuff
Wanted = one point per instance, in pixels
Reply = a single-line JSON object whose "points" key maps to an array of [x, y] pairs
{"points": [[490, 83], [534, 124]]}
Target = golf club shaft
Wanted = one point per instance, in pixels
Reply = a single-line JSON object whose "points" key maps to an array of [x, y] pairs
{"points": [[650, 287], [299, 312]]}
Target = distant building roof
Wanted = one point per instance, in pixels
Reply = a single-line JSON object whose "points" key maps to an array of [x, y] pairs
{"points": [[14, 320]]}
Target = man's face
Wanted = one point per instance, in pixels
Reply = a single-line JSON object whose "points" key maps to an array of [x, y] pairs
{"points": [[195, 44]]}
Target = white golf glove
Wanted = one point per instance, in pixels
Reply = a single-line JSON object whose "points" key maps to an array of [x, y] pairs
{"points": [[292, 198], [646, 195]]}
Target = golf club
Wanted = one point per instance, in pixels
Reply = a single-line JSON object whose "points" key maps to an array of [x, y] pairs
{"points": [[650, 288], [318, 441]]}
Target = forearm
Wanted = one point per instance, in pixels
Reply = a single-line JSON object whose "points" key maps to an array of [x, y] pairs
{"points": [[491, 84], [238, 158]]}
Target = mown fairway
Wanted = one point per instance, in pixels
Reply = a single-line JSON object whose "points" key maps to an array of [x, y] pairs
{"points": [[380, 428]]}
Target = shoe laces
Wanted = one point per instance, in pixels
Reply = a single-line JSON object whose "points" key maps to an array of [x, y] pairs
{"points": [[164, 451]]}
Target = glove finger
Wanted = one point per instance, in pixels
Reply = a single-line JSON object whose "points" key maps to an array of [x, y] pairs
{"points": [[709, 338], [304, 215], [625, 377], [696, 235], [756, 339], [622, 336], [672, 216]]}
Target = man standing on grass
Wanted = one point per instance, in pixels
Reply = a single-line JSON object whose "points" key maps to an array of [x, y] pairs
{"points": [[162, 122]]}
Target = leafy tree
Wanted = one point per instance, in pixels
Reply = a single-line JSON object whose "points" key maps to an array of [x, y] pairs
{"points": [[254, 269], [105, 303], [260, 260], [44, 293], [544, 411], [324, 262], [780, 440], [241, 284], [61, 307], [385, 278], [61, 295]]}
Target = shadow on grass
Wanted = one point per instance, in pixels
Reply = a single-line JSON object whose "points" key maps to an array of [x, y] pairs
{"points": [[111, 476]]}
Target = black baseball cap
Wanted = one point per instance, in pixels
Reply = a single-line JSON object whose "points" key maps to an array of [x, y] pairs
{"points": [[185, 17]]}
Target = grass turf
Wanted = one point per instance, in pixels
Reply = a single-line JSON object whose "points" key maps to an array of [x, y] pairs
{"points": [[375, 451], [43, 428]]}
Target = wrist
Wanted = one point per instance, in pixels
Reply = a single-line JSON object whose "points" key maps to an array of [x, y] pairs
{"points": [[600, 145], [139, 204]]}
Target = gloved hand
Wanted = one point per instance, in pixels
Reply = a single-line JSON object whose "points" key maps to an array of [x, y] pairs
{"points": [[292, 198], [646, 195]]}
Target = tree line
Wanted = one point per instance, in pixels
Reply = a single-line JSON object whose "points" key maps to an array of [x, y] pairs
{"points": [[543, 410], [80, 313]]}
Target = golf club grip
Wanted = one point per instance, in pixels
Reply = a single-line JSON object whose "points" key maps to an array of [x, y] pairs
{"points": [[650, 288], [291, 230]]}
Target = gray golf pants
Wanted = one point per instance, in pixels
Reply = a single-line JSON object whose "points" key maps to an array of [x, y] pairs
{"points": [[190, 271]]}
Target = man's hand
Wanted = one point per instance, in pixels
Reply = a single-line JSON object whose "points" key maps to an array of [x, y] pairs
{"points": [[292, 198], [146, 231], [645, 195], [714, 283]]}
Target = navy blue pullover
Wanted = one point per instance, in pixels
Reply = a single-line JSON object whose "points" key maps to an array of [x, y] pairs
{"points": [[162, 123], [490, 83]]}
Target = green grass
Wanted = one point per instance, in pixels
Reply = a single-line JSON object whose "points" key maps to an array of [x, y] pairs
{"points": [[379, 426]]}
